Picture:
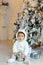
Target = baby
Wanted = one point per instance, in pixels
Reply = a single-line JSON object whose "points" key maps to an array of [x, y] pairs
{"points": [[20, 47]]}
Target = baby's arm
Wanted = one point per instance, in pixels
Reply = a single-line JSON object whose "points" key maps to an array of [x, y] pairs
{"points": [[15, 48], [26, 49]]}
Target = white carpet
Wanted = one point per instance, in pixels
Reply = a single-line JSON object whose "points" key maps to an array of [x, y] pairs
{"points": [[5, 52]]}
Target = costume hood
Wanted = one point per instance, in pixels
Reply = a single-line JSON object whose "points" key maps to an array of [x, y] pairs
{"points": [[22, 30]]}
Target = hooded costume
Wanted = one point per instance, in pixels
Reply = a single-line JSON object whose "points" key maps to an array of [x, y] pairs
{"points": [[21, 46]]}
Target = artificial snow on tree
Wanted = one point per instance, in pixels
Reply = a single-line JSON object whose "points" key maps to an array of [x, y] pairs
{"points": [[30, 20]]}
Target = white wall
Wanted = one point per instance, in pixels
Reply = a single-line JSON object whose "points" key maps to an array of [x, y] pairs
{"points": [[8, 16]]}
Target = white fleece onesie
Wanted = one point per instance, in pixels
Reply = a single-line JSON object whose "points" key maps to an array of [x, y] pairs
{"points": [[21, 45]]}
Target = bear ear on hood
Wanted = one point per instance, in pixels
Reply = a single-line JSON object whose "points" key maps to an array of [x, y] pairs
{"points": [[22, 30]]}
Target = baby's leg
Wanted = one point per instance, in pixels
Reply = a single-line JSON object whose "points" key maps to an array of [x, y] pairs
{"points": [[15, 54], [13, 58], [27, 60]]}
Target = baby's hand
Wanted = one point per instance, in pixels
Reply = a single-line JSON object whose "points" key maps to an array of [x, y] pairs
{"points": [[22, 55]]}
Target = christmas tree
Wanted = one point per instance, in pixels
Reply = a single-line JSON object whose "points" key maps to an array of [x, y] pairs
{"points": [[30, 19]]}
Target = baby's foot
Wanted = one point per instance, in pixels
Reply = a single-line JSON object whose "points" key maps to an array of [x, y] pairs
{"points": [[26, 62], [11, 60]]}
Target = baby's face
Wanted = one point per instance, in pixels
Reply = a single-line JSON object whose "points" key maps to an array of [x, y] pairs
{"points": [[21, 36]]}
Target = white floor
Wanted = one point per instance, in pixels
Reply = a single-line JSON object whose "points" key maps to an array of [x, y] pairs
{"points": [[5, 52]]}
